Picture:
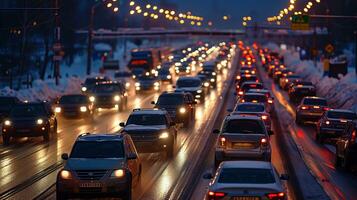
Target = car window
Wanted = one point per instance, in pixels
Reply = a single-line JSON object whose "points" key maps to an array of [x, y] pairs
{"points": [[315, 102], [28, 110], [246, 176], [107, 88], [243, 126], [98, 149], [250, 108], [341, 115], [170, 100], [188, 83], [147, 119]]}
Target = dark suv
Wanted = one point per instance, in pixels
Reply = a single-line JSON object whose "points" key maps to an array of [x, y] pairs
{"points": [[100, 165], [74, 105], [109, 95], [346, 147], [179, 105], [152, 130], [29, 120]]}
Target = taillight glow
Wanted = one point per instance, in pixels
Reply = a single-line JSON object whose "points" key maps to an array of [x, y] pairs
{"points": [[276, 196], [240, 92], [326, 108], [304, 107], [264, 117], [353, 137], [216, 194], [222, 141]]}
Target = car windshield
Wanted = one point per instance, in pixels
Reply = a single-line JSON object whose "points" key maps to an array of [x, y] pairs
{"points": [[188, 83], [73, 99], [255, 98], [147, 119], [341, 115], [28, 110], [243, 126], [98, 149], [246, 176], [250, 108], [7, 100], [170, 100], [315, 102], [107, 88]]}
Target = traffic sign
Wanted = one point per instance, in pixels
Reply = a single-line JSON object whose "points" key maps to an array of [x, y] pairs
{"points": [[329, 48], [300, 22]]}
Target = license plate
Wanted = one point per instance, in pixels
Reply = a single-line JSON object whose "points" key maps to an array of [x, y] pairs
{"points": [[90, 185], [242, 145], [246, 198]]}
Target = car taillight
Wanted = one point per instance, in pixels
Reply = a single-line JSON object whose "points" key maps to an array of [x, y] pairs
{"points": [[264, 142], [327, 122], [270, 101], [264, 117], [238, 77], [240, 92], [317, 107], [326, 108], [222, 141], [353, 137], [215, 195], [276, 196], [304, 107]]}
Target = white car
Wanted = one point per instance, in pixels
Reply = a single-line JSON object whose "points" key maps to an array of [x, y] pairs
{"points": [[246, 180]]}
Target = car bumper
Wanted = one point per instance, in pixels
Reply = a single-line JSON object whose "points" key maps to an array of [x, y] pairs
{"points": [[224, 155], [310, 116], [153, 146], [25, 131]]}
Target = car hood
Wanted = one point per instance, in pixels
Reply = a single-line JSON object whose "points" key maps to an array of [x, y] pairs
{"points": [[134, 127], [94, 164]]}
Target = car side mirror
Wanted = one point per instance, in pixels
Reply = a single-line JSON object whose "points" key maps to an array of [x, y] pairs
{"points": [[172, 123], [153, 102], [216, 131], [207, 176], [64, 156], [122, 124], [270, 132], [132, 156], [229, 110], [284, 177]]}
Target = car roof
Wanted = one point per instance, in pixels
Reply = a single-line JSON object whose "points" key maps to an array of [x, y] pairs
{"points": [[251, 103], [253, 93], [250, 117], [247, 164], [189, 78], [314, 97], [99, 137], [340, 110], [251, 82], [140, 111]]}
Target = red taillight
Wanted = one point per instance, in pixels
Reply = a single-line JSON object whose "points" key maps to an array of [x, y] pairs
{"points": [[276, 196], [326, 108], [353, 137], [304, 107], [215, 195]]}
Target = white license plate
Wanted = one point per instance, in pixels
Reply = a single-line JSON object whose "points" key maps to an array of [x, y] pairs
{"points": [[246, 198], [90, 185]]}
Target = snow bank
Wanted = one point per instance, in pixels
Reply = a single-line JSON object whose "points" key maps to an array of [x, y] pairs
{"points": [[340, 93]]}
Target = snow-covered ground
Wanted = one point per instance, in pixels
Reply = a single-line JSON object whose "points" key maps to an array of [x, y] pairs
{"points": [[341, 93]]}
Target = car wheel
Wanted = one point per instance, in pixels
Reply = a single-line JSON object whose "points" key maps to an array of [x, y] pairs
{"points": [[127, 195], [6, 139]]}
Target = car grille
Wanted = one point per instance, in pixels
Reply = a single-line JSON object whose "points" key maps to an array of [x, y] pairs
{"points": [[90, 190], [104, 99], [90, 174], [143, 136]]}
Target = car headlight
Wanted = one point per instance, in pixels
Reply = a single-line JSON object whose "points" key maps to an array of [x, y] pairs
{"points": [[137, 84], [84, 89], [91, 98], [212, 80], [199, 91], [164, 135], [7, 123], [58, 109], [182, 110], [127, 85], [206, 84], [168, 77], [118, 173], [214, 73], [134, 76], [83, 109], [39, 121], [157, 84], [65, 174], [116, 98]]}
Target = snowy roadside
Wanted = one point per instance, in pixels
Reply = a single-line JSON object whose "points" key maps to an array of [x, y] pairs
{"points": [[340, 93]]}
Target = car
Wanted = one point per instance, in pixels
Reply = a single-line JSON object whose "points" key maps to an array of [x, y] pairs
{"points": [[281, 72], [299, 90], [183, 68], [99, 165], [74, 105], [89, 83], [242, 137], [147, 83], [247, 86], [164, 75], [211, 77], [192, 85], [210, 66], [266, 92], [333, 123], [125, 77], [346, 148], [6, 103], [256, 109], [285, 81], [152, 130], [111, 94], [257, 98], [246, 180], [240, 79], [247, 70], [181, 106], [137, 72], [29, 120], [310, 109]]}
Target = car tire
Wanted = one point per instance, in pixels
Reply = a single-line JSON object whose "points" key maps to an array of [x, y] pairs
{"points": [[127, 195], [6, 139]]}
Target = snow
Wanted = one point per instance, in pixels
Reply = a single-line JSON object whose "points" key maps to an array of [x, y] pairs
{"points": [[340, 93]]}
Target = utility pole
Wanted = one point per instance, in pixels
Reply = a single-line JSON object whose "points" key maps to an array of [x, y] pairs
{"points": [[90, 40], [57, 57]]}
